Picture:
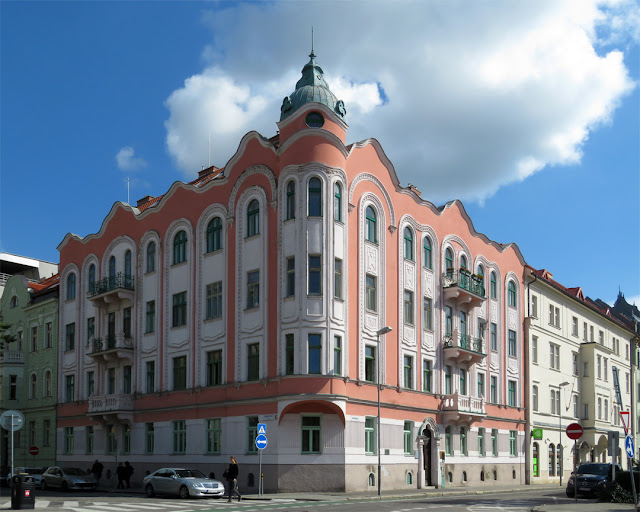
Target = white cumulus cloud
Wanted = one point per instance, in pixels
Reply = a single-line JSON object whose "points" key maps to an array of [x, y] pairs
{"points": [[127, 161], [464, 97]]}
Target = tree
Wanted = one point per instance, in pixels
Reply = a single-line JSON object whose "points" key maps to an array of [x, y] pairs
{"points": [[5, 336]]}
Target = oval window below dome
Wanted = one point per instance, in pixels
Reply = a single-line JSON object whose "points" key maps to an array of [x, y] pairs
{"points": [[314, 120]]}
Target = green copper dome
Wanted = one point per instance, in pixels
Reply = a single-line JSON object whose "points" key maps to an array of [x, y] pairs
{"points": [[311, 88]]}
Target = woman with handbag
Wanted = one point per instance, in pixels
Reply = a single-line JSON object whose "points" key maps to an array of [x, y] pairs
{"points": [[231, 475]]}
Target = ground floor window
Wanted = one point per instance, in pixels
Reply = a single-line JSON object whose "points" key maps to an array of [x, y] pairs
{"points": [[311, 434], [68, 440], [179, 436], [370, 436], [214, 435]]}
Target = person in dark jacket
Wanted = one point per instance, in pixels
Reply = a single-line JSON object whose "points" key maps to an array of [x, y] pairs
{"points": [[128, 471], [120, 473], [231, 475], [96, 471]]}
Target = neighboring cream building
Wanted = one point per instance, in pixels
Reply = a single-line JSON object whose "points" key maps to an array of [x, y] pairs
{"points": [[573, 347]]}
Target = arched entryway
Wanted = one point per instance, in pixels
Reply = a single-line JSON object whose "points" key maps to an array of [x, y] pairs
{"points": [[428, 441]]}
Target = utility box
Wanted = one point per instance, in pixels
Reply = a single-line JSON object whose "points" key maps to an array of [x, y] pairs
{"points": [[23, 492]]}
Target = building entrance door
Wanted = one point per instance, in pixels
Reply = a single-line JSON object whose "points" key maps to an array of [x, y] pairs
{"points": [[426, 455]]}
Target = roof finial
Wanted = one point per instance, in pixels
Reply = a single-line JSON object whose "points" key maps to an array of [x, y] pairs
{"points": [[312, 55]]}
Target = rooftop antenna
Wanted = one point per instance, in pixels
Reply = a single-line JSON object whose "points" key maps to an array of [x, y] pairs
{"points": [[209, 147], [128, 190]]}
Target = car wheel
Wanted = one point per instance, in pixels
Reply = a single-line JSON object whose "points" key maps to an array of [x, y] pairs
{"points": [[184, 492], [150, 491], [570, 494], [43, 485], [65, 485]]}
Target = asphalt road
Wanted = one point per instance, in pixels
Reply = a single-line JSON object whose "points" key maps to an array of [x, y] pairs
{"points": [[109, 502]]}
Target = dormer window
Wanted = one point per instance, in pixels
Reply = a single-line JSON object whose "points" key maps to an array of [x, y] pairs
{"points": [[314, 120]]}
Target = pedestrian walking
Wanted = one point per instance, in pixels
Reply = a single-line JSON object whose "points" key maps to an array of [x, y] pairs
{"points": [[96, 471], [128, 471], [231, 475], [120, 474]]}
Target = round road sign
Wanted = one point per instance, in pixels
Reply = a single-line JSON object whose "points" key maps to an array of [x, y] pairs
{"points": [[12, 420], [574, 431], [34, 450], [261, 441]]}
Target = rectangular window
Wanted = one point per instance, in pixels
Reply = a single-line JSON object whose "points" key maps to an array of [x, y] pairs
{"points": [[253, 361], [574, 359], [463, 441], [179, 309], [91, 328], [369, 363], [32, 432], [448, 321], [126, 322], [111, 439], [150, 320], [447, 380], [513, 448], [408, 372], [252, 432], [463, 381], [408, 307], [370, 297], [34, 339], [179, 373], [289, 354], [554, 316], [214, 436], [70, 388], [599, 366], [150, 367], [481, 449], [585, 411], [126, 379], [126, 439], [179, 436], [481, 390], [427, 376], [68, 440], [408, 437], [214, 300], [493, 390], [49, 337], [448, 441], [554, 356], [70, 336], [574, 326], [512, 393], [591, 337], [601, 337], [370, 435], [512, 343], [494, 337], [149, 436], [337, 355], [337, 278], [291, 277], [214, 368], [315, 274], [46, 433], [111, 381], [575, 406], [494, 442], [91, 384], [584, 331], [427, 314], [311, 434], [606, 370], [315, 353], [534, 349], [253, 289]]}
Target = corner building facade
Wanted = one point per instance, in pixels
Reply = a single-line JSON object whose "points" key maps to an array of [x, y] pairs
{"points": [[255, 293]]}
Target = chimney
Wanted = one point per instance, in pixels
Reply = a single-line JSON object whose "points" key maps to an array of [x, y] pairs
{"points": [[415, 190], [145, 199]]}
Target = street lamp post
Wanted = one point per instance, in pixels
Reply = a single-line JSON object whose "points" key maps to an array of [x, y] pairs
{"points": [[559, 449], [379, 333]]}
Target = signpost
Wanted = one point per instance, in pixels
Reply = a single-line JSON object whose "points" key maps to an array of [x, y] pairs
{"points": [[261, 444], [628, 440], [12, 420], [574, 431]]}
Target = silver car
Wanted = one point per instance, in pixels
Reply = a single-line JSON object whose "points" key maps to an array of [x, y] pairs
{"points": [[181, 482], [67, 478], [36, 473]]}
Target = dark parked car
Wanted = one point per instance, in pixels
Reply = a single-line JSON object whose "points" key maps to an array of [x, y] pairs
{"points": [[67, 478], [591, 477]]}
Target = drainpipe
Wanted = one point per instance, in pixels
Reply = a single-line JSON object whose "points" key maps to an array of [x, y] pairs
{"points": [[527, 388]]}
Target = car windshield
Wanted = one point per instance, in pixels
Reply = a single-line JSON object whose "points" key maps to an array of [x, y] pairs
{"points": [[74, 471], [594, 469], [189, 473]]}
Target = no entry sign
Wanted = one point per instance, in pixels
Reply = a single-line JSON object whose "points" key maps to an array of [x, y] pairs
{"points": [[574, 431], [34, 450]]}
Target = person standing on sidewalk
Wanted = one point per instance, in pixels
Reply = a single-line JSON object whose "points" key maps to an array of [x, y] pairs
{"points": [[128, 471], [120, 473], [96, 471], [231, 475]]}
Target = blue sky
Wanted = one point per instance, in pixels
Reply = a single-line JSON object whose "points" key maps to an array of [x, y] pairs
{"points": [[526, 111]]}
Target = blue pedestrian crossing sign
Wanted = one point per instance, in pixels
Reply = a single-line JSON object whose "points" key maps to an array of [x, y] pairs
{"points": [[628, 445], [261, 441], [262, 428]]}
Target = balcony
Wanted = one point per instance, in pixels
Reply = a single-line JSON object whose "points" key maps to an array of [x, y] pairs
{"points": [[463, 348], [111, 290], [457, 408], [111, 408], [12, 357], [111, 348], [463, 287]]}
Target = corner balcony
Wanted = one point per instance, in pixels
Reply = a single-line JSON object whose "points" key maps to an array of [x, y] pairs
{"points": [[463, 348], [463, 288], [111, 408], [112, 290], [457, 408], [111, 348], [12, 357]]}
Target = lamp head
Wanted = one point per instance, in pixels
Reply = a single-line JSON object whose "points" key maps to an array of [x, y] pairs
{"points": [[384, 330]]}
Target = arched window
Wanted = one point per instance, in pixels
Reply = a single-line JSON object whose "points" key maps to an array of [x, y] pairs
{"points": [[14, 302], [71, 286], [448, 260], [552, 460], [408, 244], [33, 392], [480, 272], [371, 233], [92, 277], [214, 235], [426, 248], [127, 264], [151, 257], [409, 478], [463, 261], [253, 218], [494, 285], [180, 247], [512, 294], [315, 197], [112, 269], [47, 383], [337, 202], [291, 200]]}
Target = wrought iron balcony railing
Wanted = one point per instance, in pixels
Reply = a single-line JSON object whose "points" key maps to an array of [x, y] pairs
{"points": [[465, 280], [120, 280], [110, 342]]}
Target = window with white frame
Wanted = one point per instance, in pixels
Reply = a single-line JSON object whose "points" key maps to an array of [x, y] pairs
{"points": [[575, 406], [408, 307], [534, 306], [534, 349], [534, 397], [554, 316], [574, 358], [370, 294], [554, 356], [574, 326]]}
